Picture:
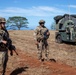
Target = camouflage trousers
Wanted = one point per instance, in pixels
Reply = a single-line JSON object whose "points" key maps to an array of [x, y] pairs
{"points": [[3, 61], [43, 50]]}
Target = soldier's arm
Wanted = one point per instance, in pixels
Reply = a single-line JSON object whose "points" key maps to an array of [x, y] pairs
{"points": [[36, 33], [48, 33], [4, 42], [2, 38], [5, 38]]}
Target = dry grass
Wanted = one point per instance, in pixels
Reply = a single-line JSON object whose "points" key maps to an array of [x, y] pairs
{"points": [[24, 40]]}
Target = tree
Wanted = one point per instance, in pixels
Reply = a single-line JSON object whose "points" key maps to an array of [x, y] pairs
{"points": [[17, 22], [53, 26]]}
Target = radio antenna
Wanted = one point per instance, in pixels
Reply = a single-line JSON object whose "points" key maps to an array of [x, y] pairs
{"points": [[69, 12]]}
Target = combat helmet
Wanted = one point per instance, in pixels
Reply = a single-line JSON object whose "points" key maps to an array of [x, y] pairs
{"points": [[2, 19], [41, 21]]}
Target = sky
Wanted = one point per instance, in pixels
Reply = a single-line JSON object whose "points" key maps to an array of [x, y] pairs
{"points": [[35, 10]]}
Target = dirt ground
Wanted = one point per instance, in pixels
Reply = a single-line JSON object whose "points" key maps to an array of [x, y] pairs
{"points": [[27, 63]]}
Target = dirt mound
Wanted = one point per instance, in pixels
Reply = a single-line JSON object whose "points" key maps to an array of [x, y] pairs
{"points": [[25, 64], [62, 57]]}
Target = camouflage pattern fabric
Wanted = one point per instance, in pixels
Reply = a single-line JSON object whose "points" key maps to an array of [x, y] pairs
{"points": [[3, 61], [70, 30], [2, 19], [39, 32], [43, 50], [43, 44], [3, 54], [1, 34]]}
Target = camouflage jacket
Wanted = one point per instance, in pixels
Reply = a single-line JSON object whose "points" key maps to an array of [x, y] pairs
{"points": [[3, 36], [41, 32]]}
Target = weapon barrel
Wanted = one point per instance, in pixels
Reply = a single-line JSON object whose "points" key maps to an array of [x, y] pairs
{"points": [[15, 52]]}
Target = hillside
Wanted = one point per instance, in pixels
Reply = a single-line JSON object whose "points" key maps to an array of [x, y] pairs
{"points": [[26, 63]]}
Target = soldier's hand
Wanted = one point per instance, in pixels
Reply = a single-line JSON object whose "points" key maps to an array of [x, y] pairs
{"points": [[4, 42], [48, 33], [11, 53]]}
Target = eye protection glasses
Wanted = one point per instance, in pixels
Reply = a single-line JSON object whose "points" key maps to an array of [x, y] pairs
{"points": [[2, 22], [41, 23]]}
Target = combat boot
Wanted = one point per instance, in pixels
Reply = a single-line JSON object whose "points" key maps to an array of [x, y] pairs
{"points": [[39, 56]]}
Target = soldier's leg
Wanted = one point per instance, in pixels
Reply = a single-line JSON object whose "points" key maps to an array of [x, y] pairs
{"points": [[39, 54], [1, 65], [46, 50], [2, 61], [46, 54], [71, 35], [43, 50], [40, 50], [5, 63]]}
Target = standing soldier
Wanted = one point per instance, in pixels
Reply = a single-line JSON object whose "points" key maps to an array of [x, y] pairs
{"points": [[3, 47], [42, 34], [71, 31]]}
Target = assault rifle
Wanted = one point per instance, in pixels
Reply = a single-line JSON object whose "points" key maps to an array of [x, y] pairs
{"points": [[11, 47], [45, 34], [9, 43]]}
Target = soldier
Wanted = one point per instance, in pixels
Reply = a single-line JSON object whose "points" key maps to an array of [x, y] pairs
{"points": [[42, 34], [3, 47], [71, 31]]}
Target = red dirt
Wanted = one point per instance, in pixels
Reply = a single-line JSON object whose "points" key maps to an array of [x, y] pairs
{"points": [[26, 63], [47, 67]]}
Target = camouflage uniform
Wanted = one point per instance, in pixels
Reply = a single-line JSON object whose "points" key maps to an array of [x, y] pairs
{"points": [[3, 50], [71, 31], [40, 34]]}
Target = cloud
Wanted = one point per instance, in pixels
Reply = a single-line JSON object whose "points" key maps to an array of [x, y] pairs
{"points": [[33, 11], [72, 6]]}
